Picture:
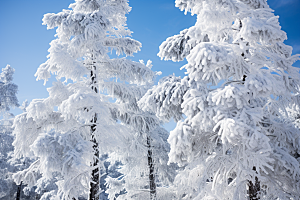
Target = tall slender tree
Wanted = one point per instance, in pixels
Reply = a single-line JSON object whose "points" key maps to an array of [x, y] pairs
{"points": [[69, 142], [235, 140], [8, 100], [144, 157]]}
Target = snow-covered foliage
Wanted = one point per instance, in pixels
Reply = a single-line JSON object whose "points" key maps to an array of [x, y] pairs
{"points": [[134, 182], [6, 169], [8, 90], [146, 148], [92, 108], [8, 100], [166, 99], [8, 165], [236, 141]]}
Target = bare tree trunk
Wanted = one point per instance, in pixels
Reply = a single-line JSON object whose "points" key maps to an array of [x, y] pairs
{"points": [[95, 183], [151, 171], [19, 191], [254, 189]]}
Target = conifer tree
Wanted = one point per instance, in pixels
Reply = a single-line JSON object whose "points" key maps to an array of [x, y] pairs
{"points": [[8, 91], [8, 100], [235, 140], [144, 157], [69, 142]]}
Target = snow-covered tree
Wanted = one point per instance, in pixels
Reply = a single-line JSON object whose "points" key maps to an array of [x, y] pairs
{"points": [[144, 158], [8, 92], [7, 186], [8, 99], [70, 130], [235, 141]]}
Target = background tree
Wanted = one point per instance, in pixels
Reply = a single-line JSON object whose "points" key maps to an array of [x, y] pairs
{"points": [[144, 168], [8, 100], [8, 91], [234, 135]]}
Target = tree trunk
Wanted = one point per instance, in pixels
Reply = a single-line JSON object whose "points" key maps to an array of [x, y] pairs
{"points": [[254, 189], [19, 191], [151, 171], [37, 196], [95, 183]]}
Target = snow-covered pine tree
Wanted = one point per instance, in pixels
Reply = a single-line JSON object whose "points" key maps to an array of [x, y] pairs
{"points": [[235, 141], [68, 142], [139, 123], [8, 99], [144, 157], [8, 91], [7, 186]]}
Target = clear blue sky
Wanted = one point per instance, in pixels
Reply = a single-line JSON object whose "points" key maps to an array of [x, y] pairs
{"points": [[24, 41]]}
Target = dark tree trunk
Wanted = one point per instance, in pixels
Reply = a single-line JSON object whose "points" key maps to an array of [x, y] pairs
{"points": [[254, 189], [37, 196], [95, 183], [151, 171], [19, 191]]}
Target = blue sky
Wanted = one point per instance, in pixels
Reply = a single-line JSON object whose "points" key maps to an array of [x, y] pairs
{"points": [[24, 41]]}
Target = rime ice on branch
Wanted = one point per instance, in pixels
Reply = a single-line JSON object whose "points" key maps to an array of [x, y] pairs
{"points": [[236, 141]]}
